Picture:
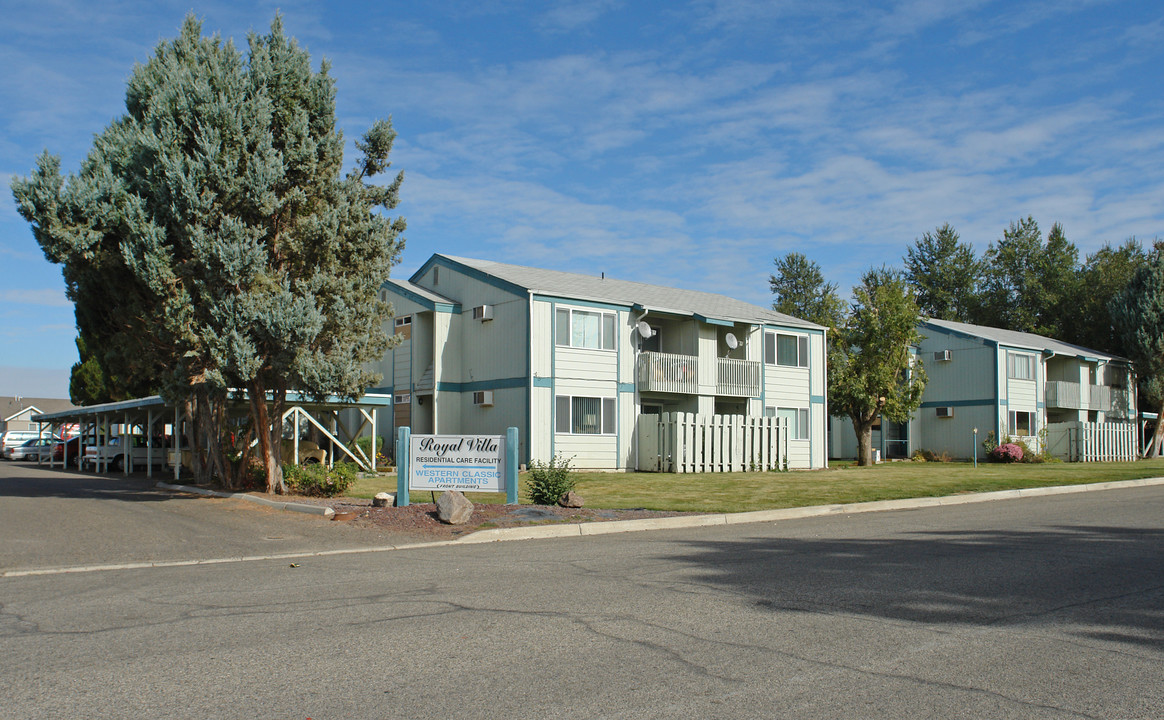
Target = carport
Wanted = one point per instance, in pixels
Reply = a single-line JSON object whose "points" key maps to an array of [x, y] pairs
{"points": [[339, 421]]}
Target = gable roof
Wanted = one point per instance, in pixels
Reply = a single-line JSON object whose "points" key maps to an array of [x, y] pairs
{"points": [[422, 296], [10, 408], [1028, 341], [702, 305]]}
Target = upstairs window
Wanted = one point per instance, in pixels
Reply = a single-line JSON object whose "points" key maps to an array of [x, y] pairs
{"points": [[1020, 367], [585, 329], [787, 350]]}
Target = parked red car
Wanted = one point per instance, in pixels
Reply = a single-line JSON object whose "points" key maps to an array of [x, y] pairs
{"points": [[74, 450]]}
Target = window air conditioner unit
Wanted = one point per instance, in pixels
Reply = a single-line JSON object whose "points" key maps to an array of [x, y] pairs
{"points": [[483, 312], [484, 398], [946, 412], [944, 355]]}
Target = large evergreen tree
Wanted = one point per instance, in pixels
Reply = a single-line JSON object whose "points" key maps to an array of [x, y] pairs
{"points": [[1138, 317], [210, 241], [1028, 285], [944, 273], [1103, 277], [801, 291], [872, 369]]}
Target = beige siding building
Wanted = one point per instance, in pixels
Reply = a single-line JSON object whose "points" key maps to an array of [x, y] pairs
{"points": [[573, 361], [1011, 384]]}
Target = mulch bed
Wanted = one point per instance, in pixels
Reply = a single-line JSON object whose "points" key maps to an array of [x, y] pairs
{"points": [[420, 519]]}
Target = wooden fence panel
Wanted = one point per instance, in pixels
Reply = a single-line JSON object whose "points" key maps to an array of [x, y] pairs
{"points": [[1092, 442], [719, 443]]}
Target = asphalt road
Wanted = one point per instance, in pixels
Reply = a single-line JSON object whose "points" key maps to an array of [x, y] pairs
{"points": [[1047, 607]]}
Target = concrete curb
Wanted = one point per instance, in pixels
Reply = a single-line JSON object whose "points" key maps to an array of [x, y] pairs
{"points": [[293, 507], [539, 532]]}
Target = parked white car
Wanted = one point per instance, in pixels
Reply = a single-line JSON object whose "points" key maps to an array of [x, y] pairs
{"points": [[112, 454], [14, 438]]}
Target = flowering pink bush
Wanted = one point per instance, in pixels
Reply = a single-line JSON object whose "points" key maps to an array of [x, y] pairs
{"points": [[1007, 452]]}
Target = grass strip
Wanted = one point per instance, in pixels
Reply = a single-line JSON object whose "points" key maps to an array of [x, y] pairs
{"points": [[843, 483]]}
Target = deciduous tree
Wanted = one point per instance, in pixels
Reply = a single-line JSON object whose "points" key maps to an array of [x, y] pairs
{"points": [[873, 371]]}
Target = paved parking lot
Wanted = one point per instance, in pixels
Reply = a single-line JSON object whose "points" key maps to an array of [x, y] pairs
{"points": [[54, 518]]}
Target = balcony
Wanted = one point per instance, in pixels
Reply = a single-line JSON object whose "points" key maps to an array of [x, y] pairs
{"points": [[667, 372], [1073, 396], [737, 378], [670, 373]]}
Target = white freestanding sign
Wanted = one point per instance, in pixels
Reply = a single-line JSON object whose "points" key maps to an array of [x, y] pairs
{"points": [[474, 463]]}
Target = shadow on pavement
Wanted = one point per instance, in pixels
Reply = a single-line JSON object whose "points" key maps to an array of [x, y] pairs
{"points": [[32, 481], [1106, 583]]}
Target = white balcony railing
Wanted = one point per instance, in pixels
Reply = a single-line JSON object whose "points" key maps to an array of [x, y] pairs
{"points": [[737, 378], [667, 372]]}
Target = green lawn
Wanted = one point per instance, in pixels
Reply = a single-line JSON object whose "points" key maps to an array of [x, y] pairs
{"points": [[737, 492]]}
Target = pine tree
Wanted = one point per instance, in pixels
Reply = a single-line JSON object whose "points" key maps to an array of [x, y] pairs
{"points": [[944, 274], [801, 291], [211, 237]]}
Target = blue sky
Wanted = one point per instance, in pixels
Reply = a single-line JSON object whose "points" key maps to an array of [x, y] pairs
{"points": [[678, 143]]}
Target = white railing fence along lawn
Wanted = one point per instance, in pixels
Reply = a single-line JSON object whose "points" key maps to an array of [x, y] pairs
{"points": [[1092, 442], [690, 443]]}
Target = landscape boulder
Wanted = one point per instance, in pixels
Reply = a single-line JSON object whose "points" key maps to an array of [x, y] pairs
{"points": [[384, 499], [453, 508], [570, 500]]}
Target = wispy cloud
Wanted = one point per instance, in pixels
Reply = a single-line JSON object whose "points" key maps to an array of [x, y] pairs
{"points": [[45, 297]]}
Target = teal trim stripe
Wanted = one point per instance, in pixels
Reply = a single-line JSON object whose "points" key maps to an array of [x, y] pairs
{"points": [[626, 387], [471, 272], [713, 321], [500, 384], [817, 399], [984, 402], [451, 308], [543, 382], [552, 299]]}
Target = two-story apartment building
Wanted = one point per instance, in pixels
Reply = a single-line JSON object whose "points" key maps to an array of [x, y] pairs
{"points": [[1012, 384], [574, 360]]}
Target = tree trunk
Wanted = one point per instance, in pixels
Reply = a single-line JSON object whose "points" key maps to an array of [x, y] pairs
{"points": [[193, 445], [1158, 436], [270, 450], [209, 414], [864, 430]]}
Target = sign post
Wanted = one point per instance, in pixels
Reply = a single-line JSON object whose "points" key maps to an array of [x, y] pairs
{"points": [[402, 440]]}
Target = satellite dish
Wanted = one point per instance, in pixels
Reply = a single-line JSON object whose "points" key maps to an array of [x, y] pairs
{"points": [[731, 341], [644, 329]]}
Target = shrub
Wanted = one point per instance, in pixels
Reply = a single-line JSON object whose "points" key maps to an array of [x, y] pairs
{"points": [[1007, 453], [989, 443], [364, 442], [931, 456], [318, 480], [549, 481]]}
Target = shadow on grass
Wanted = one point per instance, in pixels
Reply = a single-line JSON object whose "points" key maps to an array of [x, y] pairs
{"points": [[1102, 583]]}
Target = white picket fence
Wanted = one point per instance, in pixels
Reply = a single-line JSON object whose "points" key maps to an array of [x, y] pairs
{"points": [[690, 443], [1092, 442]]}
